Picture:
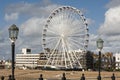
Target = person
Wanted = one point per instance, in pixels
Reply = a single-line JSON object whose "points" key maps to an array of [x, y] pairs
{"points": [[113, 77], [63, 78], [83, 77], [41, 78], [10, 77], [2, 78]]}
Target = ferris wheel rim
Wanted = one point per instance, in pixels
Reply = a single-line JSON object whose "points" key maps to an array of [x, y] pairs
{"points": [[60, 38]]}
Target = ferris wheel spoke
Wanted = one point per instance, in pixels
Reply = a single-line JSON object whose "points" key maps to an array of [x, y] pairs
{"points": [[52, 36], [75, 43], [50, 43], [67, 57], [68, 54], [51, 31], [70, 16], [73, 46], [64, 54], [76, 38], [76, 19], [76, 32], [81, 35], [49, 59], [55, 59], [77, 59], [51, 39]]}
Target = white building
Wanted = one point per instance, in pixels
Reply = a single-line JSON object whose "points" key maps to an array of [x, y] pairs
{"points": [[26, 59], [117, 60]]}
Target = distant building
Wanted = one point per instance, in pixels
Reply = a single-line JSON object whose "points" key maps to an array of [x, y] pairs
{"points": [[107, 61], [2, 64], [42, 60], [8, 64], [27, 59], [117, 60]]}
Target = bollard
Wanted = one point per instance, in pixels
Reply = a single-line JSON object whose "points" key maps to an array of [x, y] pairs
{"points": [[63, 77], [10, 77], [83, 77], [41, 77], [113, 77], [2, 78]]}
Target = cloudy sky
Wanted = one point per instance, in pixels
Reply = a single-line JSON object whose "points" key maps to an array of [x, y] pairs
{"points": [[30, 16]]}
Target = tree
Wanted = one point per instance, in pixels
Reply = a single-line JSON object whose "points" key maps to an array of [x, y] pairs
{"points": [[89, 60]]}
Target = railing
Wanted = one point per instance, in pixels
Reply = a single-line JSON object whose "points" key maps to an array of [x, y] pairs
{"points": [[113, 77]]}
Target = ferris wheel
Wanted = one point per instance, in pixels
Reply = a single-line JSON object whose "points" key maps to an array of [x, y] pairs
{"points": [[65, 36]]}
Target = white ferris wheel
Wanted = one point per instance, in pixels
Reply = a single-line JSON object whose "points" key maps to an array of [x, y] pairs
{"points": [[65, 35]]}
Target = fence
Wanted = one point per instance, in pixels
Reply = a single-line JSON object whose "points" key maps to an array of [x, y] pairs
{"points": [[113, 77]]}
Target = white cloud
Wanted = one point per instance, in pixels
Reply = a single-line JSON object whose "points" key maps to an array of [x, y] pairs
{"points": [[110, 29], [92, 42], [12, 16], [30, 34], [32, 26], [32, 9], [111, 25]]}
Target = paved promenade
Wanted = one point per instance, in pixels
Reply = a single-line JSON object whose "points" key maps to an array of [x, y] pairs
{"points": [[55, 74]]}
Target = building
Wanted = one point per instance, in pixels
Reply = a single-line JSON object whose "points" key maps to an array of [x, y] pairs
{"points": [[117, 60], [56, 62], [26, 59], [107, 61], [2, 64], [42, 60]]}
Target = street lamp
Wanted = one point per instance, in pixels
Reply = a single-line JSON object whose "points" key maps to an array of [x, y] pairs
{"points": [[13, 33], [99, 43]]}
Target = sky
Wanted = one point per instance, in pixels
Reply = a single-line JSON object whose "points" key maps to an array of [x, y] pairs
{"points": [[30, 15]]}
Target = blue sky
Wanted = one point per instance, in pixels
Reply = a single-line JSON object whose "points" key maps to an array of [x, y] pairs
{"points": [[29, 16], [94, 10]]}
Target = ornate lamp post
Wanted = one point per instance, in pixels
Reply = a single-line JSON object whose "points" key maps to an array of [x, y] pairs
{"points": [[99, 46], [13, 33]]}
